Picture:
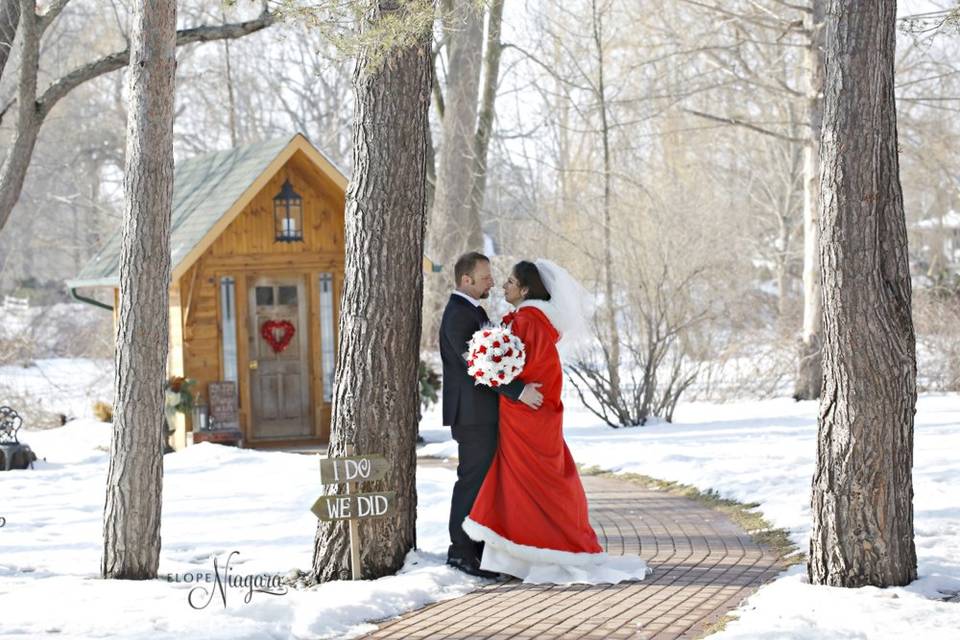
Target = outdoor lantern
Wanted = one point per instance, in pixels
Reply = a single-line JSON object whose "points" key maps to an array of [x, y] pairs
{"points": [[201, 416], [288, 214]]}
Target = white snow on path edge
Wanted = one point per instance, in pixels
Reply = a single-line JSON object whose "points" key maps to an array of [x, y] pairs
{"points": [[764, 451]]}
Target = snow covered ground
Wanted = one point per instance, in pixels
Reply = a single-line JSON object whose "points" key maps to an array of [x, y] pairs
{"points": [[61, 385], [218, 500], [764, 451]]}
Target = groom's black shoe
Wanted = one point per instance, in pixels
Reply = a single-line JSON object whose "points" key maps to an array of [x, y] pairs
{"points": [[471, 568]]}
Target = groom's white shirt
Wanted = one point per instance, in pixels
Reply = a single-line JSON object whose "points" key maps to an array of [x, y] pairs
{"points": [[474, 302]]}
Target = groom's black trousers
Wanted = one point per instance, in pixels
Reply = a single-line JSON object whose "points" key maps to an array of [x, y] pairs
{"points": [[476, 445]]}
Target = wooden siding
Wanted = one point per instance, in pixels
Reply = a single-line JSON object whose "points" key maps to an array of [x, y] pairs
{"points": [[247, 248]]}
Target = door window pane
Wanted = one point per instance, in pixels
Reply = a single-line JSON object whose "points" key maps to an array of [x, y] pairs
{"points": [[327, 344], [228, 316], [264, 296], [287, 295]]}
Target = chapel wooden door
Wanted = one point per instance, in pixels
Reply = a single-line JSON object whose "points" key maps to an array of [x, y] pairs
{"points": [[279, 373]]}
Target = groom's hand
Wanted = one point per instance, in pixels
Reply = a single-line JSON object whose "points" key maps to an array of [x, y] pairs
{"points": [[530, 396]]}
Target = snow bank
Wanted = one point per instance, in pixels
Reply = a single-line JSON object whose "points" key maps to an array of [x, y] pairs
{"points": [[216, 500], [764, 451]]}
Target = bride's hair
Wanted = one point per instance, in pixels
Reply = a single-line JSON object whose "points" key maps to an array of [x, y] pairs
{"points": [[528, 276]]}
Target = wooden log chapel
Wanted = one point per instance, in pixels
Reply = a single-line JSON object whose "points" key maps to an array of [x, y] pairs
{"points": [[257, 258]]}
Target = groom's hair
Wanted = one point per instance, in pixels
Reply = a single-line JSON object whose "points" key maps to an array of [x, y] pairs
{"points": [[528, 276], [466, 264]]}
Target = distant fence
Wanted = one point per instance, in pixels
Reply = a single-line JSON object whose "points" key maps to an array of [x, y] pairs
{"points": [[11, 303]]}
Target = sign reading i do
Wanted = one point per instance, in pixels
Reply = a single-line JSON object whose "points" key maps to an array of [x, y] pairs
{"points": [[354, 506]]}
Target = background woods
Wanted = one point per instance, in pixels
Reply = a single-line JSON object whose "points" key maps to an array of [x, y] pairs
{"points": [[590, 132]]}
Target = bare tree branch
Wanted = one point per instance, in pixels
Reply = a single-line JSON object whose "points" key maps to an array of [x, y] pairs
{"points": [[51, 14], [781, 25], [31, 110], [120, 59], [795, 7], [746, 125]]}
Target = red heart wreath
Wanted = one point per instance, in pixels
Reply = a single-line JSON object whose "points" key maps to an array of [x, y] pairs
{"points": [[277, 344]]}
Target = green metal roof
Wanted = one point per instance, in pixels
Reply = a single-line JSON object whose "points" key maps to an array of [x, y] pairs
{"points": [[204, 189]]}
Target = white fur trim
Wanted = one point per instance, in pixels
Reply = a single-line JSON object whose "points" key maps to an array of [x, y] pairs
{"points": [[480, 533], [550, 566], [548, 309]]}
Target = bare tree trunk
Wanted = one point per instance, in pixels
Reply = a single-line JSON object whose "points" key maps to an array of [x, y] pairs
{"points": [[454, 223], [376, 399], [454, 227], [91, 237], [131, 523], [228, 78], [9, 21], [27, 126], [782, 267], [611, 345], [786, 219], [488, 99], [862, 489], [809, 362]]}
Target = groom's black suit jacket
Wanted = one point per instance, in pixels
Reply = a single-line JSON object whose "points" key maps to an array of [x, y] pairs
{"points": [[465, 403]]}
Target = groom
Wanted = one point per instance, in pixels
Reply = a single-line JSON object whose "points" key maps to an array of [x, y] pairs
{"points": [[472, 411]]}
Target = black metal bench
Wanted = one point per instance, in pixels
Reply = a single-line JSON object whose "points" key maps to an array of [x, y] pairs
{"points": [[13, 453]]}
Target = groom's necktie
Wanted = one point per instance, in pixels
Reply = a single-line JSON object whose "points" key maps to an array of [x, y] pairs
{"points": [[483, 315]]}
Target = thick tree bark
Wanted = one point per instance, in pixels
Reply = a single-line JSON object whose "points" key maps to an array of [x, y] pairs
{"points": [[809, 362], [376, 394], [131, 528], [862, 488]]}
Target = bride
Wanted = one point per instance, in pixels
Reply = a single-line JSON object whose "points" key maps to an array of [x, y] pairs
{"points": [[531, 512]]}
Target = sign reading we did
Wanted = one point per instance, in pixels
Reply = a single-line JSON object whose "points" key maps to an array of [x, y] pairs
{"points": [[353, 506]]}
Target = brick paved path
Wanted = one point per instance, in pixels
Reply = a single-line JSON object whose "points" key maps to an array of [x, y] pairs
{"points": [[704, 565]]}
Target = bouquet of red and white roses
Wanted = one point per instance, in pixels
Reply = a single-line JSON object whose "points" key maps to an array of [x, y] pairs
{"points": [[494, 356]]}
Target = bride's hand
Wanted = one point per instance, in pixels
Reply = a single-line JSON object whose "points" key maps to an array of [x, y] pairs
{"points": [[531, 396]]}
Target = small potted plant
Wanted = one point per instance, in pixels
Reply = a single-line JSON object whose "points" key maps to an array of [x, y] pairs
{"points": [[177, 397]]}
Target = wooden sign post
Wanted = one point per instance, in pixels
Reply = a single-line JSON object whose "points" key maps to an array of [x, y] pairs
{"points": [[354, 506]]}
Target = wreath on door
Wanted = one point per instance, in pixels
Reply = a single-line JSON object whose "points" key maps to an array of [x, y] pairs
{"points": [[277, 333]]}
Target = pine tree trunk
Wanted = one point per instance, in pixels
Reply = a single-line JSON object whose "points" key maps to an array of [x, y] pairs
{"points": [[809, 360], [376, 394], [862, 489], [131, 525]]}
